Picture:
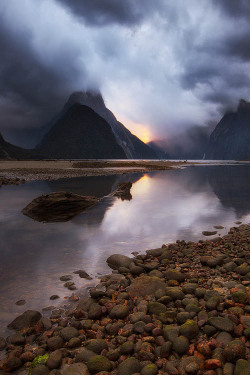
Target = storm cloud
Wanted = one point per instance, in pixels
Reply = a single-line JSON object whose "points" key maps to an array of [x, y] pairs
{"points": [[161, 66]]}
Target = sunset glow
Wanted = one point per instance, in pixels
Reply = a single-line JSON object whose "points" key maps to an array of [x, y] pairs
{"points": [[140, 130]]}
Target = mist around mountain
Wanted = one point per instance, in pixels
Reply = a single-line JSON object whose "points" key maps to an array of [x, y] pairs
{"points": [[189, 144]]}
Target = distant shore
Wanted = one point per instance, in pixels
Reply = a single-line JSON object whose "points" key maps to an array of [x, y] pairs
{"points": [[55, 169], [30, 170]]}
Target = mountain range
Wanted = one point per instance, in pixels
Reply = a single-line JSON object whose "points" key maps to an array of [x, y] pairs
{"points": [[86, 129]]}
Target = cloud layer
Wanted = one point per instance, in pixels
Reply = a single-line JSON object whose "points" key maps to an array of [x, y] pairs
{"points": [[164, 65]]}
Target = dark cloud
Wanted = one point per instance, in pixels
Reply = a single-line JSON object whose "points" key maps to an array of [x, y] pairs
{"points": [[101, 12], [164, 65]]}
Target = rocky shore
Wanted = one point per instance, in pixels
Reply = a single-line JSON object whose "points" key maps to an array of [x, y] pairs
{"points": [[181, 309]]}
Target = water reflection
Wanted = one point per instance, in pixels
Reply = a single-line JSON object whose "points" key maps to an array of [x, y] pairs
{"points": [[165, 206]]}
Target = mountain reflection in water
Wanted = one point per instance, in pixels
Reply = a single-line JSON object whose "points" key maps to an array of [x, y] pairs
{"points": [[166, 206]]}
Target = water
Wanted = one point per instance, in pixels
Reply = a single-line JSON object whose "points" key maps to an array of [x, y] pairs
{"points": [[166, 206]]}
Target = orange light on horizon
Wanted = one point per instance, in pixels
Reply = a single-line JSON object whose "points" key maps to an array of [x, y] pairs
{"points": [[140, 130]]}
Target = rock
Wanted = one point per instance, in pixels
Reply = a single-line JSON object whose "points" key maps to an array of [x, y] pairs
{"points": [[66, 278], [98, 364], [21, 302], [97, 345], [136, 317], [46, 323], [166, 349], [242, 367], [156, 308], [2, 343], [129, 367], [123, 191], [170, 333], [235, 350], [189, 329], [28, 319], [54, 360], [245, 320], [68, 333], [228, 369], [83, 274], [223, 338], [223, 324], [84, 355], [40, 370], [75, 369], [12, 364], [58, 207], [95, 311], [55, 343], [116, 261], [181, 345], [145, 286], [119, 312], [209, 233], [17, 339], [74, 342], [127, 348], [175, 293], [150, 369], [175, 275], [240, 297], [155, 252]]}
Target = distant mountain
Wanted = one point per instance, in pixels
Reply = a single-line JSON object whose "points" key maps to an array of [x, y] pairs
{"points": [[80, 133], [11, 152], [189, 144], [158, 149], [133, 147], [230, 140]]}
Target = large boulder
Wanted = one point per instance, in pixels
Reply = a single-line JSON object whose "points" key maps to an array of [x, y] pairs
{"points": [[145, 286], [28, 319], [59, 206], [116, 261]]}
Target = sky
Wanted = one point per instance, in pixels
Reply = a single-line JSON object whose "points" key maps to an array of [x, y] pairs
{"points": [[161, 66]]}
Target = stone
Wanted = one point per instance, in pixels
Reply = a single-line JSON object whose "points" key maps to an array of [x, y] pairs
{"points": [[116, 261], [95, 311], [2, 343], [68, 333], [240, 297], [156, 308], [223, 338], [175, 293], [127, 347], [28, 319], [228, 369], [40, 370], [99, 363], [58, 207], [17, 339], [97, 345], [181, 345], [175, 275], [222, 324], [119, 312], [12, 364], [189, 329], [145, 286], [84, 355], [54, 360], [129, 367], [150, 369], [242, 367], [55, 342], [234, 350], [75, 369]]}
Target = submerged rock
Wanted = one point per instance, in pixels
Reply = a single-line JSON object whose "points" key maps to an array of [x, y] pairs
{"points": [[123, 191], [58, 207], [28, 319]]}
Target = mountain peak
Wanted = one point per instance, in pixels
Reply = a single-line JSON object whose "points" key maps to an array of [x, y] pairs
{"points": [[89, 98], [243, 105]]}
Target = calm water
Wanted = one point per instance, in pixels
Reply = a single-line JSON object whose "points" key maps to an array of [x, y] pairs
{"points": [[166, 206]]}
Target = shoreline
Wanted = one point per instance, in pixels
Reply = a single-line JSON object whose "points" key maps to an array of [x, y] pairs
{"points": [[34, 170], [180, 307]]}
